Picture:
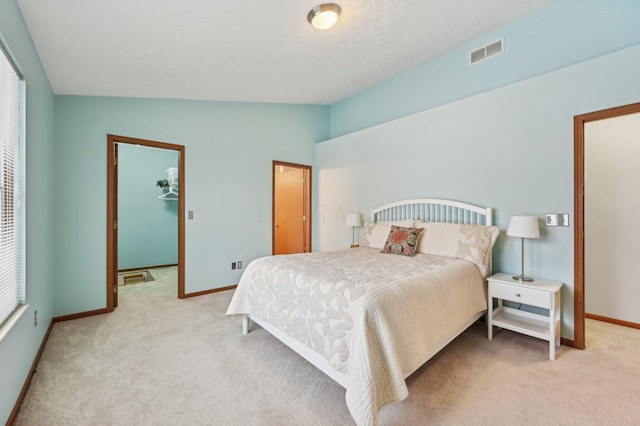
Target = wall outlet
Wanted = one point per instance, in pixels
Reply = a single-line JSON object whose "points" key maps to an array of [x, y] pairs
{"points": [[239, 264], [35, 318], [233, 265]]}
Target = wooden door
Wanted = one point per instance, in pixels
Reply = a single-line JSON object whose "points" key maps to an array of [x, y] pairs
{"points": [[291, 207], [114, 265]]}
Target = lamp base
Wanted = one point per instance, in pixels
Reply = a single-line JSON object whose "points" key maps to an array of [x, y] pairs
{"points": [[522, 278]]}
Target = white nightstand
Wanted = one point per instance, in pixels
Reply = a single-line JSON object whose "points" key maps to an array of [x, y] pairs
{"points": [[540, 293]]}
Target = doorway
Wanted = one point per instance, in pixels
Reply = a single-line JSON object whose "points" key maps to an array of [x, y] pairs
{"points": [[127, 143], [579, 208], [291, 208]]}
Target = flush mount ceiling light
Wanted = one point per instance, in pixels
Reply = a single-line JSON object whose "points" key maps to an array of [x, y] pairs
{"points": [[324, 16]]}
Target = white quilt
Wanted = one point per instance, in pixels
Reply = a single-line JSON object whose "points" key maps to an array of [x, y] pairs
{"points": [[376, 317]]}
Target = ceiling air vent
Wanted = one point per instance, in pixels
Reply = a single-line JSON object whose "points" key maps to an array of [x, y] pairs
{"points": [[485, 52]]}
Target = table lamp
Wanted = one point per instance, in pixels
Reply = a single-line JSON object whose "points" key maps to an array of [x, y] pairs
{"points": [[353, 220], [523, 227]]}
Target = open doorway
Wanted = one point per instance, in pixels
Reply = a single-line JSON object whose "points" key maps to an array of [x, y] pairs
{"points": [[168, 185], [579, 207], [291, 208]]}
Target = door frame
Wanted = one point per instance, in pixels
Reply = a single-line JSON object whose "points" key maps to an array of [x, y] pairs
{"points": [[112, 211], [307, 201], [578, 198]]}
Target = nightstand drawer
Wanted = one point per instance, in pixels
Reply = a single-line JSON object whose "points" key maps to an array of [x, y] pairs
{"points": [[527, 296]]}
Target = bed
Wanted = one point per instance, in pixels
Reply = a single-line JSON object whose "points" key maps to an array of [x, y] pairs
{"points": [[369, 317]]}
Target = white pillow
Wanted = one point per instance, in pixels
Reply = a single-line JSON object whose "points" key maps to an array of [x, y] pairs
{"points": [[375, 234], [470, 242]]}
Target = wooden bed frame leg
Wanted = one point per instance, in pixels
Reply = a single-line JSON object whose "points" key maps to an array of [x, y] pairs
{"points": [[245, 324]]}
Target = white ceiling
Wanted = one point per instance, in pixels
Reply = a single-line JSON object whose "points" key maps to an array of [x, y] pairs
{"points": [[248, 50]]}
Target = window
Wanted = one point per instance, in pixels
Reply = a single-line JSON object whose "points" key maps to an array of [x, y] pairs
{"points": [[12, 196]]}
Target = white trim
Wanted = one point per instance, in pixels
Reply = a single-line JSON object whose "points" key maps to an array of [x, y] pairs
{"points": [[12, 321], [12, 157]]}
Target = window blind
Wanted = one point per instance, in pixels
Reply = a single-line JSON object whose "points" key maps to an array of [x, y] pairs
{"points": [[12, 177]]}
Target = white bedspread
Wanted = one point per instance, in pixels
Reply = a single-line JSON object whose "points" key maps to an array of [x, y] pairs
{"points": [[376, 317]]}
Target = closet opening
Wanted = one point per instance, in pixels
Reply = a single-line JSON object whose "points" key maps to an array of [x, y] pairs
{"points": [[152, 237]]}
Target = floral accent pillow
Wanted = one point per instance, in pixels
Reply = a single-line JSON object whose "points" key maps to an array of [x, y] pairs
{"points": [[375, 234], [402, 240]]}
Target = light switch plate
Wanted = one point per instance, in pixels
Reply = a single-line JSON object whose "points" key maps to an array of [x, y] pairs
{"points": [[556, 219]]}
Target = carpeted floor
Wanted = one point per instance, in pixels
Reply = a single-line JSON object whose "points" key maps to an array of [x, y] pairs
{"points": [[158, 360]]}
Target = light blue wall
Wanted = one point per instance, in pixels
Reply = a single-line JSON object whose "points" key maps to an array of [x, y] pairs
{"points": [[563, 34], [503, 144], [19, 348], [228, 162], [502, 137], [510, 149], [147, 226]]}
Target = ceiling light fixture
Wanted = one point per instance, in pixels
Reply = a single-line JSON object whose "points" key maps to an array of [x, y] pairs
{"points": [[324, 16]]}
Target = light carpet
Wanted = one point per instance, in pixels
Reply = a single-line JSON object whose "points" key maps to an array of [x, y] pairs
{"points": [[158, 360]]}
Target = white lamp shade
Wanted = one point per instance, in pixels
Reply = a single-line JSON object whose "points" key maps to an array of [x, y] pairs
{"points": [[353, 219], [523, 227]]}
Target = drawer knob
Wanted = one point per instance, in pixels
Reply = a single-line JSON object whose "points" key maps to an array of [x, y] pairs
{"points": [[517, 294]]}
